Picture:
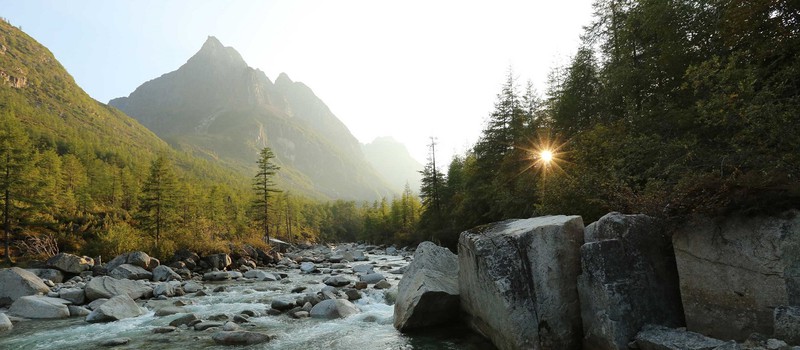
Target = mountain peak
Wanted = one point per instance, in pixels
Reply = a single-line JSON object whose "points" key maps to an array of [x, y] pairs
{"points": [[283, 79], [213, 52]]}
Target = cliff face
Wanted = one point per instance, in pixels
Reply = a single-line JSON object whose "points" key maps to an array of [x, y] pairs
{"points": [[216, 106]]}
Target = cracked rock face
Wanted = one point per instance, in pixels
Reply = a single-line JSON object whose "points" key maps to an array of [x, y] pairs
{"points": [[517, 282], [738, 270]]}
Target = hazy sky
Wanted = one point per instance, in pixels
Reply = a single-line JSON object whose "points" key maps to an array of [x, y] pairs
{"points": [[407, 69]]}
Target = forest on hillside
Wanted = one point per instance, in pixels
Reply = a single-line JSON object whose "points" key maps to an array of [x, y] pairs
{"points": [[669, 108]]}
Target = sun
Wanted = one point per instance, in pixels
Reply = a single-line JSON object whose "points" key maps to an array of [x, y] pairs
{"points": [[546, 156]]}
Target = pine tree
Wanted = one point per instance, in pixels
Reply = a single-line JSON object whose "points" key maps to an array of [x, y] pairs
{"points": [[264, 186], [159, 199], [15, 163]]}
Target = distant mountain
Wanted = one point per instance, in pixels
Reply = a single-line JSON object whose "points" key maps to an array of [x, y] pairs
{"points": [[218, 107], [392, 160]]}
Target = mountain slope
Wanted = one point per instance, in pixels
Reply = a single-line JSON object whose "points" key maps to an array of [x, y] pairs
{"points": [[392, 160], [218, 107]]}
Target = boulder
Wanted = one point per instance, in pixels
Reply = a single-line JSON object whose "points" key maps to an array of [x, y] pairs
{"points": [[170, 310], [107, 287], [239, 338], [517, 281], [333, 308], [738, 269], [189, 320], [70, 263], [138, 258], [787, 324], [54, 275], [221, 275], [163, 288], [96, 303], [201, 326], [307, 267], [119, 307], [163, 273], [384, 284], [428, 293], [115, 342], [260, 275], [5, 323], [282, 305], [218, 261], [16, 282], [372, 278], [192, 287], [164, 329], [629, 280], [362, 268], [337, 281], [37, 306], [74, 295], [78, 311], [131, 272], [665, 338]]}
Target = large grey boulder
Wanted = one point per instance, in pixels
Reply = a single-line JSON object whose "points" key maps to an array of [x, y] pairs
{"points": [[70, 263], [333, 308], [261, 275], [517, 281], [138, 258], [131, 272], [116, 308], [107, 287], [665, 338], [307, 267], [372, 278], [163, 273], [54, 275], [218, 261], [738, 269], [239, 338], [428, 293], [787, 324], [629, 280], [16, 282], [5, 323], [37, 306], [74, 295]]}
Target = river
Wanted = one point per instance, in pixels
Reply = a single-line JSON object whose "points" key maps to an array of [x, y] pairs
{"points": [[370, 329]]}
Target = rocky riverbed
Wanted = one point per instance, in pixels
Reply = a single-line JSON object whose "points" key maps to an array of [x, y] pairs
{"points": [[317, 298]]}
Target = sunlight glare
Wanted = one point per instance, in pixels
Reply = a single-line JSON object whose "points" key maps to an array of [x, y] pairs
{"points": [[546, 156]]}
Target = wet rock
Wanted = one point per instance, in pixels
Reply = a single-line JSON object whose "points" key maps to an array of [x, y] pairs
{"points": [[36, 306], [260, 275], [308, 267], [359, 256], [629, 280], [131, 272], [188, 320], [301, 314], [240, 318], [169, 310], [107, 287], [164, 329], [70, 263], [5, 323], [372, 278], [53, 275], [337, 281], [240, 338], [333, 308], [163, 288], [192, 287], [282, 305], [118, 307], [664, 338], [517, 282], [428, 294], [352, 294], [218, 261], [96, 303], [16, 282], [115, 342], [221, 275], [78, 311], [382, 285], [298, 289], [391, 251], [787, 323], [230, 326], [74, 295], [360, 285], [206, 325], [163, 273], [738, 269], [219, 317]]}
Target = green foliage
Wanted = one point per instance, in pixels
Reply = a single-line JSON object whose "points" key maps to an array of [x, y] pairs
{"points": [[16, 161], [263, 187], [158, 208]]}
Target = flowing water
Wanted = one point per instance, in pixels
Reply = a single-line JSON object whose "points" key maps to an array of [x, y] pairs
{"points": [[370, 329]]}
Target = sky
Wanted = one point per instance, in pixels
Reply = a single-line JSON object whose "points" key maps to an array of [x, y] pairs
{"points": [[406, 69]]}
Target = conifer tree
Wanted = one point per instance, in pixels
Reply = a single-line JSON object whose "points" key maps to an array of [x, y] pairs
{"points": [[15, 162], [264, 186], [159, 199]]}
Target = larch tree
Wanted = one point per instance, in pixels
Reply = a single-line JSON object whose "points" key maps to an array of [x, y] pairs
{"points": [[264, 187], [16, 160], [159, 199]]}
